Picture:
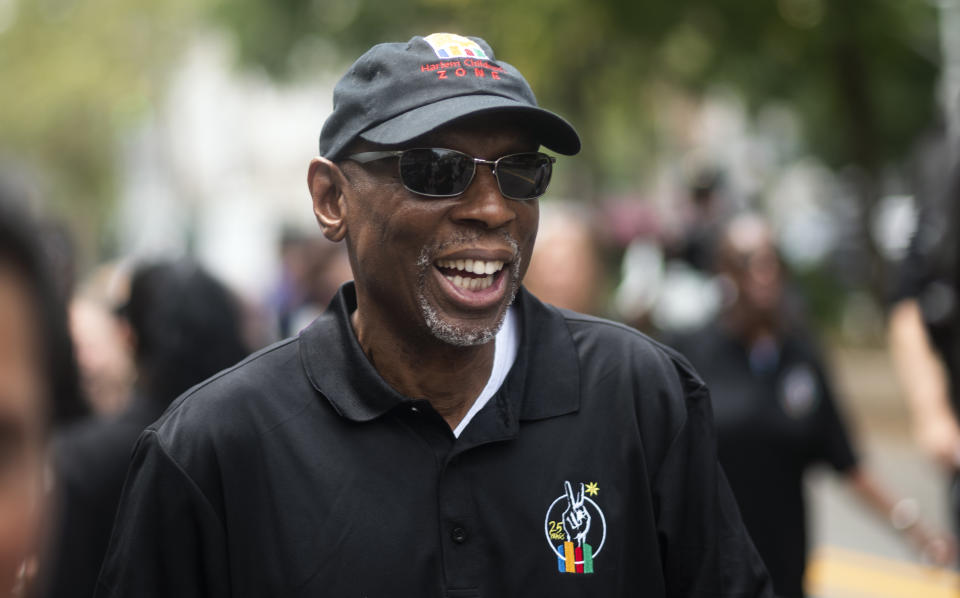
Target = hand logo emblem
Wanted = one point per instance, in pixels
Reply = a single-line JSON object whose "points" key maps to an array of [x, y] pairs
{"points": [[575, 527], [576, 518]]}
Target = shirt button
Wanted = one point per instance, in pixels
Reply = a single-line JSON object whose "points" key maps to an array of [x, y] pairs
{"points": [[459, 535]]}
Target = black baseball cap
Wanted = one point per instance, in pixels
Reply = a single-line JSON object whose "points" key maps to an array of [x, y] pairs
{"points": [[397, 92]]}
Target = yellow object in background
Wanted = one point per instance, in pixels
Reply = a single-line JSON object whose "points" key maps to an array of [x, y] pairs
{"points": [[841, 573]]}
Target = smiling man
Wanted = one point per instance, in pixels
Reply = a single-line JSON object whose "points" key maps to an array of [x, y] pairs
{"points": [[438, 432]]}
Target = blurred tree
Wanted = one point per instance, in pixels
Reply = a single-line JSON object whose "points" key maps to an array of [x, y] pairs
{"points": [[75, 74], [859, 73]]}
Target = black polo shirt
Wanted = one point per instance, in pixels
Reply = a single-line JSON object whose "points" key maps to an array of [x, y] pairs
{"points": [[300, 472], [776, 417]]}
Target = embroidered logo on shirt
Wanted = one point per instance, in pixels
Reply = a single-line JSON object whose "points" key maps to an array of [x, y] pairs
{"points": [[576, 528]]}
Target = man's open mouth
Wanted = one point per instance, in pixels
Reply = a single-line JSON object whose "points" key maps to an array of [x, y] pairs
{"points": [[470, 274]]}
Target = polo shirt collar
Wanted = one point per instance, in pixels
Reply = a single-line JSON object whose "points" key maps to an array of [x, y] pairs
{"points": [[545, 378], [543, 382]]}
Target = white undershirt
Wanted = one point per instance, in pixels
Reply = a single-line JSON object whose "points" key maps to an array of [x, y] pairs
{"points": [[504, 354]]}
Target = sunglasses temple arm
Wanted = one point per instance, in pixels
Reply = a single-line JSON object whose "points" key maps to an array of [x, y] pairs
{"points": [[364, 157]]}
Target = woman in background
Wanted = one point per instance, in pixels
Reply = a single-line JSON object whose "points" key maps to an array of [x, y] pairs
{"points": [[775, 410], [38, 385]]}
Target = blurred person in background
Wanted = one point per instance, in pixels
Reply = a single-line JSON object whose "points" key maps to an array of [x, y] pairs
{"points": [[183, 326], [924, 329], [566, 269], [708, 205], [311, 270], [775, 409], [101, 339], [667, 284], [106, 366], [55, 244], [36, 363]]}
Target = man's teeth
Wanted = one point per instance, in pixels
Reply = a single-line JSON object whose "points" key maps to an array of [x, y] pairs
{"points": [[475, 266], [471, 284], [485, 268]]}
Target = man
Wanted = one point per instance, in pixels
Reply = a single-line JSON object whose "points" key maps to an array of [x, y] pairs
{"points": [[438, 431]]}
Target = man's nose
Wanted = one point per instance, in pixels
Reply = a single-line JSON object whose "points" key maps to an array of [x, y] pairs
{"points": [[482, 203]]}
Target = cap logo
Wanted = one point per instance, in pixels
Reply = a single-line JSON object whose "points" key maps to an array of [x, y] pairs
{"points": [[451, 45]]}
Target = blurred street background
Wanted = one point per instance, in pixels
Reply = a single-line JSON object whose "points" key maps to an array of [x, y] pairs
{"points": [[854, 554], [146, 130]]}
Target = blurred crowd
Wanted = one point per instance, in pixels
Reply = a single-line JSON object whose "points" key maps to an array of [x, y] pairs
{"points": [[86, 364]]}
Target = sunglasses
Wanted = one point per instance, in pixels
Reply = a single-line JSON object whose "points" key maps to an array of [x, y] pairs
{"points": [[438, 172]]}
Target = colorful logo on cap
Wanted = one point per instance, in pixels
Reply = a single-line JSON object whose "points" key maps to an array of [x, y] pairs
{"points": [[451, 45], [575, 528]]}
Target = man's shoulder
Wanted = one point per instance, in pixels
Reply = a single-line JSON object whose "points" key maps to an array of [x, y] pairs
{"points": [[608, 330], [599, 339], [626, 376], [255, 394]]}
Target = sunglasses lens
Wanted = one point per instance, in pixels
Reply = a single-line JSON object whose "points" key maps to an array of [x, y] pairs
{"points": [[436, 172], [524, 176]]}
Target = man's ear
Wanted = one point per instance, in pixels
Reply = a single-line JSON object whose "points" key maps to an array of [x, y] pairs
{"points": [[326, 182]]}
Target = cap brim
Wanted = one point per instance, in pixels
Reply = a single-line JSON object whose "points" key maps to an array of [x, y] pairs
{"points": [[551, 130]]}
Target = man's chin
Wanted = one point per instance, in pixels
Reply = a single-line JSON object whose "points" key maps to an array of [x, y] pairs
{"points": [[457, 322], [456, 333]]}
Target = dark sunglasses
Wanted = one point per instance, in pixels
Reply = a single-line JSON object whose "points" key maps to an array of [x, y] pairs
{"points": [[438, 172]]}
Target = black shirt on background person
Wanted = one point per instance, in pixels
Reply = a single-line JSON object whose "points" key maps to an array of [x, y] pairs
{"points": [[775, 408], [775, 417]]}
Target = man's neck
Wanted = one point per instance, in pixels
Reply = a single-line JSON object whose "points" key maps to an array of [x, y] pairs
{"points": [[449, 377]]}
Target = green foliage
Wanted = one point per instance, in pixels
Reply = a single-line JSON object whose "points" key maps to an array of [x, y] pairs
{"points": [[859, 72], [75, 74], [823, 296]]}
